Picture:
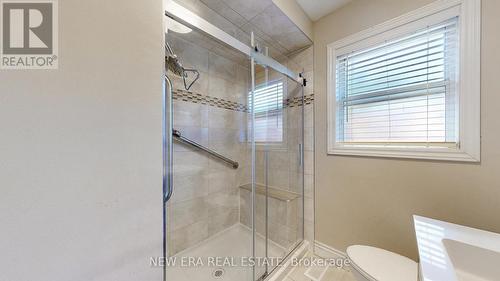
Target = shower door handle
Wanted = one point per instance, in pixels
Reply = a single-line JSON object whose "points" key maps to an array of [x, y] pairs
{"points": [[301, 155], [168, 146]]}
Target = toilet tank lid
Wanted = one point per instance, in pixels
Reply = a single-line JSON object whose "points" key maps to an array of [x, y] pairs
{"points": [[382, 265]]}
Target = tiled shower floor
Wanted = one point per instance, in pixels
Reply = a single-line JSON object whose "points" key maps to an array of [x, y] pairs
{"points": [[235, 242]]}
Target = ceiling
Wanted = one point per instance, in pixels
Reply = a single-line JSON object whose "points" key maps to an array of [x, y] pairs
{"points": [[318, 8], [238, 18]]}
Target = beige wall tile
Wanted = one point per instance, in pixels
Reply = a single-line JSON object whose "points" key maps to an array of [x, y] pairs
{"points": [[190, 114], [188, 186], [188, 236], [221, 67], [188, 212]]}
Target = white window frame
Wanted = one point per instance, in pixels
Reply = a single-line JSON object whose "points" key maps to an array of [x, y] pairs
{"points": [[469, 13]]}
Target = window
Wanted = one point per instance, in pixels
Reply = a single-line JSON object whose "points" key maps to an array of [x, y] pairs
{"points": [[399, 91], [268, 122], [402, 91]]}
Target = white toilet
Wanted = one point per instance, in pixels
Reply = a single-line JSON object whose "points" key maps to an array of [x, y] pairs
{"points": [[374, 264]]}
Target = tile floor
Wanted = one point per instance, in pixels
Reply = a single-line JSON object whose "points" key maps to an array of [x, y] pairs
{"points": [[319, 273]]}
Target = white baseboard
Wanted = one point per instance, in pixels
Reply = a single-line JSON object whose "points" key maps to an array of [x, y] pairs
{"points": [[327, 252]]}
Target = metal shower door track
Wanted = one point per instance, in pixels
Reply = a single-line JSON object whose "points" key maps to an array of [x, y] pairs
{"points": [[186, 17]]}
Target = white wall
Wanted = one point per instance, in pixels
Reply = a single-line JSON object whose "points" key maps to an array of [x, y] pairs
{"points": [[80, 150]]}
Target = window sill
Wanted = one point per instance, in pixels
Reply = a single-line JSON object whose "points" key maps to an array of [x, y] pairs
{"points": [[424, 153]]}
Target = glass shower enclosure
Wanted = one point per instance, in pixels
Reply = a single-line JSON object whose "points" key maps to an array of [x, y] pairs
{"points": [[233, 149]]}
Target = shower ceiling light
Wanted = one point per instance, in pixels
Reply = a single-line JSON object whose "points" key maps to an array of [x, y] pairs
{"points": [[176, 26]]}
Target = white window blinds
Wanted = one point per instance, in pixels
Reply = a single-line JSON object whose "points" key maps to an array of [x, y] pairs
{"points": [[402, 91], [268, 122]]}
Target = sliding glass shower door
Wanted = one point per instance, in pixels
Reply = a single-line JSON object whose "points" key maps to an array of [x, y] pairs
{"points": [[207, 230], [276, 119], [236, 208]]}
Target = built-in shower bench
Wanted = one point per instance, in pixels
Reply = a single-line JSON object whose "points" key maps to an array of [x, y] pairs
{"points": [[282, 216], [276, 193]]}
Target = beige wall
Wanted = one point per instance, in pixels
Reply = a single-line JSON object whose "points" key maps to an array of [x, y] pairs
{"points": [[80, 164], [371, 201]]}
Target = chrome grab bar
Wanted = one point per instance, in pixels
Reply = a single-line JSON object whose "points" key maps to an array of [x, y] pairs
{"points": [[178, 136]]}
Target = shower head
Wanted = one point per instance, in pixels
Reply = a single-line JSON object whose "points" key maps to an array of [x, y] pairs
{"points": [[173, 64]]}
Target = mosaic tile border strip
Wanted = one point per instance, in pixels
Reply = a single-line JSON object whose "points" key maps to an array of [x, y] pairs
{"points": [[231, 105], [309, 99], [208, 100]]}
